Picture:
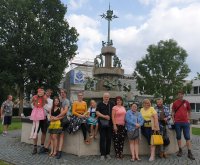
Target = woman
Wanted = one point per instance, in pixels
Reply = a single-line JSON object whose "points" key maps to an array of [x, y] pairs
{"points": [[134, 121], [92, 121], [119, 132], [149, 126], [55, 126], [79, 109]]}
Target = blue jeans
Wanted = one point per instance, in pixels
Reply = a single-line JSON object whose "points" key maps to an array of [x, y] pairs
{"points": [[185, 127]]}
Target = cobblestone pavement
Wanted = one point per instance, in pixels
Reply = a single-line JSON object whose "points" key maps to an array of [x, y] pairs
{"points": [[15, 152]]}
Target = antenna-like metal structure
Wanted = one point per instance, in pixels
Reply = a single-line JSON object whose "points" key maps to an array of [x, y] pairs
{"points": [[109, 17]]}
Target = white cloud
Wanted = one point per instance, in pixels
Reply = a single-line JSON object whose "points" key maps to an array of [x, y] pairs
{"points": [[177, 19], [147, 2], [179, 23], [89, 36], [76, 4]]}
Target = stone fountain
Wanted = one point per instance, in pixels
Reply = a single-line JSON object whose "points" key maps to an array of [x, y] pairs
{"points": [[107, 70], [107, 76]]}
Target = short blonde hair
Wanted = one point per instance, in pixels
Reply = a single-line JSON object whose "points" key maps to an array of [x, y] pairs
{"points": [[146, 101]]}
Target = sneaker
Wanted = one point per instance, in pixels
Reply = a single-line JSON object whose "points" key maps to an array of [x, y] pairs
{"points": [[164, 155], [41, 151], [46, 150], [34, 151], [161, 155], [4, 134], [59, 154], [108, 156], [180, 153], [151, 159], [190, 156], [102, 157]]}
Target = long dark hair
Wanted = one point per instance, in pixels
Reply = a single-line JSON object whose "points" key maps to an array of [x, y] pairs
{"points": [[52, 110]]}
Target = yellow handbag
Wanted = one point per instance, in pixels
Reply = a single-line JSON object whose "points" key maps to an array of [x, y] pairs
{"points": [[55, 124], [156, 139]]}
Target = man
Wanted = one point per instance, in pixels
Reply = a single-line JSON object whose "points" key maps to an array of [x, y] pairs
{"points": [[43, 125], [163, 118], [47, 108], [6, 114], [65, 104], [104, 112], [181, 112]]}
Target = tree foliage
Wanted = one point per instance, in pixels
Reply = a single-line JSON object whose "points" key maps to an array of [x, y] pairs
{"points": [[162, 71], [36, 42]]}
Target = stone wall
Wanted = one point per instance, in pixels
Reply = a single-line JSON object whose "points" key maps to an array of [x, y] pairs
{"points": [[73, 143]]}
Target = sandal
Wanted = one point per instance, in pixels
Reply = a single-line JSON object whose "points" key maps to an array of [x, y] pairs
{"points": [[132, 160], [138, 159], [50, 154], [87, 142]]}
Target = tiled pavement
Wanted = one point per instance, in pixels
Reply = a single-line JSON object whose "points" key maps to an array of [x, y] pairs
{"points": [[15, 152]]}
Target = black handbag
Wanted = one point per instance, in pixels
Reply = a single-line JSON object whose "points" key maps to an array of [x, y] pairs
{"points": [[166, 139], [133, 134], [104, 123], [65, 121]]}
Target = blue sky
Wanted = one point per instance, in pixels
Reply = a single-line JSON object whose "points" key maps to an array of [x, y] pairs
{"points": [[140, 23]]}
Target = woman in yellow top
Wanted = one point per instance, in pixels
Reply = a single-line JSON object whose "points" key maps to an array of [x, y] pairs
{"points": [[149, 113], [79, 109]]}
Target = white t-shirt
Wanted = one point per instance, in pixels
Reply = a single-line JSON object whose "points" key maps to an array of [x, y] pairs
{"points": [[48, 106], [92, 112]]}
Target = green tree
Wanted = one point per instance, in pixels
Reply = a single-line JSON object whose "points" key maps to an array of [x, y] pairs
{"points": [[36, 42], [162, 71], [197, 77]]}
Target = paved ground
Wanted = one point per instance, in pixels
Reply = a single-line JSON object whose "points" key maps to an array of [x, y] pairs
{"points": [[15, 152]]}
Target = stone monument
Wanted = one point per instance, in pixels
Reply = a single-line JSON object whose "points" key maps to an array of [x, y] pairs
{"points": [[107, 69]]}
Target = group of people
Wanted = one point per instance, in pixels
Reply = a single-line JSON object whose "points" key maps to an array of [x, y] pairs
{"points": [[110, 119], [148, 119]]}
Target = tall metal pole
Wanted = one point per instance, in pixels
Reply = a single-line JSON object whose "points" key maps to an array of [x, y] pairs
{"points": [[109, 17]]}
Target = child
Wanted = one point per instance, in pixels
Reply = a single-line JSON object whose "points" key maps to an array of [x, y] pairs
{"points": [[37, 113], [134, 121], [92, 120], [55, 126]]}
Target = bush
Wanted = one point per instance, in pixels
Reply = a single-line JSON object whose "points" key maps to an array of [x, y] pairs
{"points": [[26, 111]]}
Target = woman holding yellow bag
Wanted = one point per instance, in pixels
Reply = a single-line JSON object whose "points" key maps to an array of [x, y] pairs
{"points": [[150, 124], [55, 126]]}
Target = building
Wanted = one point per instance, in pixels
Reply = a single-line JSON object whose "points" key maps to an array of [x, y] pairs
{"points": [[75, 78], [194, 98]]}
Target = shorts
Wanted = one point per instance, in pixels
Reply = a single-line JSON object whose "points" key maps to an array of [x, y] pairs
{"points": [[43, 125], [185, 127], [7, 120], [147, 132]]}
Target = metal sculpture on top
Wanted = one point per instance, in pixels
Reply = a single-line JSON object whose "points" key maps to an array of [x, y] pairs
{"points": [[109, 17]]}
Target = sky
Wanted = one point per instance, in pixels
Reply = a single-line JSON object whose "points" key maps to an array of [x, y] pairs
{"points": [[140, 23]]}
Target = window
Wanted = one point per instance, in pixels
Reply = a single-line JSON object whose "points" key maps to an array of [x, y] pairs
{"points": [[192, 107], [197, 107], [196, 90]]}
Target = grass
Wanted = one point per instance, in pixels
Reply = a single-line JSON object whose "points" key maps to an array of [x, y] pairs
{"points": [[4, 163], [16, 124], [195, 131]]}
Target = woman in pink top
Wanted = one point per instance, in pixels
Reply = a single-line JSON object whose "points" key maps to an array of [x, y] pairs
{"points": [[119, 132]]}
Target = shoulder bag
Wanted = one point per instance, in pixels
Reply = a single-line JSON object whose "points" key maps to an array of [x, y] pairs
{"points": [[171, 122], [133, 134], [103, 122]]}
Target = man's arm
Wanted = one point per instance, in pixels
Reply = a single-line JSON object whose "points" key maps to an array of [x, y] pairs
{"points": [[2, 113], [107, 117]]}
